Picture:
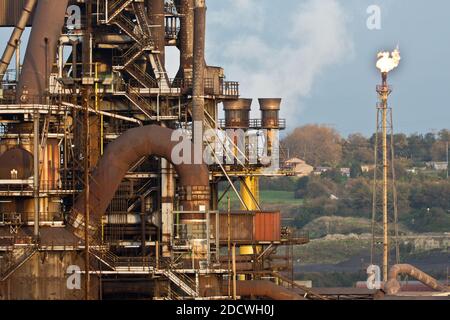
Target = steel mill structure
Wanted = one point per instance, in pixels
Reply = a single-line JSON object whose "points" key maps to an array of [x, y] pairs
{"points": [[115, 179], [87, 135]]}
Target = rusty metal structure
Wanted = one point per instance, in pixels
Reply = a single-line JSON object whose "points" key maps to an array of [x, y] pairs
{"points": [[91, 183], [113, 175]]}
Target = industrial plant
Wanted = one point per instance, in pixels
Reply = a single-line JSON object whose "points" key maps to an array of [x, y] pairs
{"points": [[112, 174]]}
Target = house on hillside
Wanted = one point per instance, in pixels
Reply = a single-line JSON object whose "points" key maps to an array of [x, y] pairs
{"points": [[299, 166], [319, 170], [438, 166], [345, 172], [367, 168]]}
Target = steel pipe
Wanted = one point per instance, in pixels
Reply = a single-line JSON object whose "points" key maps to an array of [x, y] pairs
{"points": [[264, 289], [119, 156], [186, 37], [393, 286], [15, 37]]}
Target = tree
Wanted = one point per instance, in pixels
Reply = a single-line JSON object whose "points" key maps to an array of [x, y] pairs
{"points": [[419, 147], [316, 144], [357, 149], [439, 151], [444, 135], [316, 187], [401, 146], [355, 170]]}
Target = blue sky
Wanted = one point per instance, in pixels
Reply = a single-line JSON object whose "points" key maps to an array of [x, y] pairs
{"points": [[341, 89], [320, 57]]}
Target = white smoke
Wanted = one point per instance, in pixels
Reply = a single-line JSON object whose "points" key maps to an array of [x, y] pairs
{"points": [[314, 35]]}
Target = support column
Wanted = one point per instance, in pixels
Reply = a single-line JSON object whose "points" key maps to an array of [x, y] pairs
{"points": [[167, 199], [157, 21], [186, 37], [36, 174]]}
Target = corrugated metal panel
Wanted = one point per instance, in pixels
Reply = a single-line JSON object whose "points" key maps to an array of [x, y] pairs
{"points": [[249, 227], [241, 227], [267, 226], [10, 11]]}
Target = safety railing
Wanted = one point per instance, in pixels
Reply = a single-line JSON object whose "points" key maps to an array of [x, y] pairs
{"points": [[257, 124]]}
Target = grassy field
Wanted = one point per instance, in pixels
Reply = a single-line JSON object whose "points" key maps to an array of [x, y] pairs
{"points": [[267, 197]]}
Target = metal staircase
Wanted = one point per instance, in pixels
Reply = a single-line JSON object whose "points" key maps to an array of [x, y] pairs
{"points": [[142, 19], [139, 101], [106, 257], [160, 72], [182, 281], [115, 8], [134, 52], [18, 258], [141, 76], [143, 42], [127, 26]]}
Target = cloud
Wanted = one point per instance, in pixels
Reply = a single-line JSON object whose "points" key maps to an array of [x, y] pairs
{"points": [[285, 57], [236, 14]]}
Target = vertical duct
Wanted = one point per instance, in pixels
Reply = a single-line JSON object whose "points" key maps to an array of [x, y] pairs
{"points": [[186, 37], [14, 40], [41, 50], [167, 201], [157, 21], [237, 113], [270, 121], [198, 90]]}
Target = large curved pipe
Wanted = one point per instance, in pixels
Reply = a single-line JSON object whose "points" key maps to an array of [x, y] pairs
{"points": [[119, 156], [15, 36], [48, 22], [393, 286], [263, 288]]}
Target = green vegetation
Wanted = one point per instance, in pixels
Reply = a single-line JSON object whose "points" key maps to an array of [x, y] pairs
{"points": [[423, 203], [323, 226], [268, 197], [332, 279], [331, 250]]}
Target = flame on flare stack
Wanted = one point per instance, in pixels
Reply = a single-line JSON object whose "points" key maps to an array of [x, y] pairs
{"points": [[388, 61]]}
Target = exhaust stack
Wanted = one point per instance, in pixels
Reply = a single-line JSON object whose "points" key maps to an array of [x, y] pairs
{"points": [[237, 113], [198, 99], [186, 37], [41, 50]]}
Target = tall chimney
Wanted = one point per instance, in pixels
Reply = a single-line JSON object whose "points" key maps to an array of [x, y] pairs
{"points": [[198, 90], [186, 37], [48, 22], [157, 21]]}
